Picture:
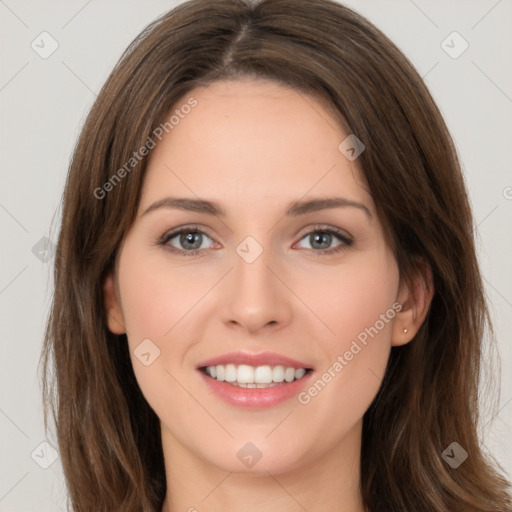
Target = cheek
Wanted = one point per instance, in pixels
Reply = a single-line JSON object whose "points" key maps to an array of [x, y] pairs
{"points": [[160, 303], [357, 305], [360, 304], [157, 302], [157, 298], [352, 298]]}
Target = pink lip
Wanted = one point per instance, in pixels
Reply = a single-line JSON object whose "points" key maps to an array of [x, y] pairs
{"points": [[263, 358], [256, 398]]}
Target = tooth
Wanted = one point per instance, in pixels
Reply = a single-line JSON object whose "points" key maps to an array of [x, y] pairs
{"points": [[257, 377], [263, 375], [300, 373], [278, 374], [240, 384], [230, 373], [220, 370], [245, 374], [289, 374]]}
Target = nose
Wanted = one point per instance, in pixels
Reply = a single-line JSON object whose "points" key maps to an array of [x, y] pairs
{"points": [[256, 300]]}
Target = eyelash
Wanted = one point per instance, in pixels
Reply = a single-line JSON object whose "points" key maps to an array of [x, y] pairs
{"points": [[345, 240]]}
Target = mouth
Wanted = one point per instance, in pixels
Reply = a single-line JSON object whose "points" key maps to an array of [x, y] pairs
{"points": [[254, 380], [254, 377]]}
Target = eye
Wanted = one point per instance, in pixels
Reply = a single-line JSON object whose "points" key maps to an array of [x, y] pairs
{"points": [[325, 241], [187, 240]]}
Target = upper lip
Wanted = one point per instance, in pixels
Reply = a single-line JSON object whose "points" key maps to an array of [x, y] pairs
{"points": [[253, 359]]}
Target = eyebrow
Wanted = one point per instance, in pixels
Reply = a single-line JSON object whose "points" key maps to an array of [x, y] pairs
{"points": [[293, 210], [314, 205]]}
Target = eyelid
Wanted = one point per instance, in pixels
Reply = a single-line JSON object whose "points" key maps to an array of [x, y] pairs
{"points": [[192, 228], [327, 228]]}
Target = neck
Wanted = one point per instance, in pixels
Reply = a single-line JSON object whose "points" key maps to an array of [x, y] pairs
{"points": [[327, 483]]}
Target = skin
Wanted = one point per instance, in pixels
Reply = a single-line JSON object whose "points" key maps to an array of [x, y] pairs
{"points": [[255, 147]]}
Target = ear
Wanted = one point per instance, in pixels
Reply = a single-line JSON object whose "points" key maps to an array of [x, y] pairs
{"points": [[115, 319], [415, 299]]}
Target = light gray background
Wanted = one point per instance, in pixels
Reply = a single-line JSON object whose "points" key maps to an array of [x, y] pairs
{"points": [[44, 102]]}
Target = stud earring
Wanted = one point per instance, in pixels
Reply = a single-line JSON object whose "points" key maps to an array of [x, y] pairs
{"points": [[405, 331]]}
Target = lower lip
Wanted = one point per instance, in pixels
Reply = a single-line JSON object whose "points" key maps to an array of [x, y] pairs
{"points": [[256, 398]]}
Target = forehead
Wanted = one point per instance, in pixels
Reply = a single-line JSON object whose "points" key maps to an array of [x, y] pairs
{"points": [[252, 139]]}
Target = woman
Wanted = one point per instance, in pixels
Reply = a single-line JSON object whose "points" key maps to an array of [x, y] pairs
{"points": [[266, 289]]}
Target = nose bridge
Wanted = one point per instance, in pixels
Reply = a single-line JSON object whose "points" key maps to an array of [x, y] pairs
{"points": [[251, 273], [256, 296]]}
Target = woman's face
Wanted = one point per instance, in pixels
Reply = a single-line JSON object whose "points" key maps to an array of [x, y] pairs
{"points": [[256, 255]]}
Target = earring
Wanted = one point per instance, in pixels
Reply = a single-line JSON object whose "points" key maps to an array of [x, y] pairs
{"points": [[405, 331]]}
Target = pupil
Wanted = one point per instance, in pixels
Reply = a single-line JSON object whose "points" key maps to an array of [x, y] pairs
{"points": [[191, 240], [321, 240]]}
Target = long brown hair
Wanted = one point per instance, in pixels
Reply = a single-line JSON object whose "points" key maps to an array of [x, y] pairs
{"points": [[108, 436]]}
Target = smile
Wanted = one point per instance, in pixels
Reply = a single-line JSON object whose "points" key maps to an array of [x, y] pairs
{"points": [[247, 376]]}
